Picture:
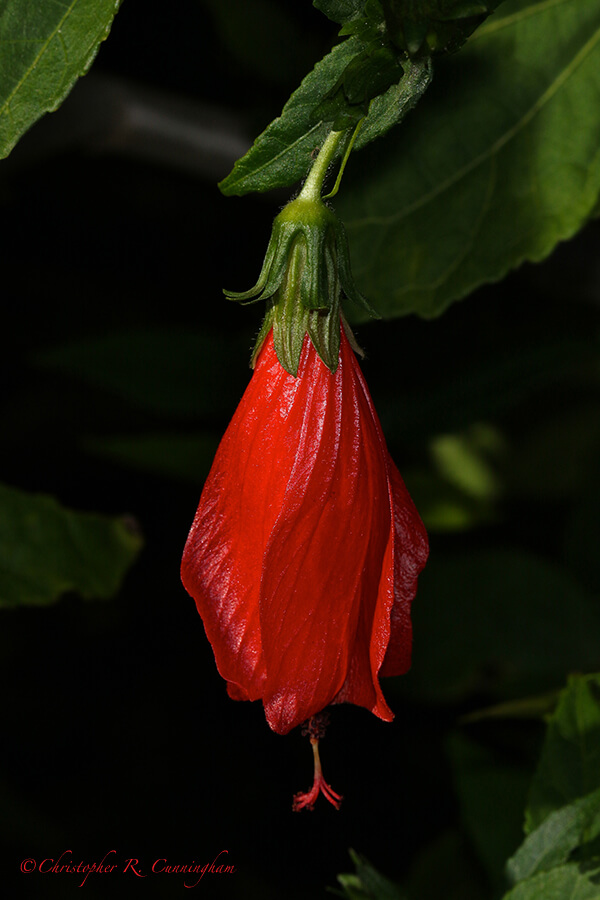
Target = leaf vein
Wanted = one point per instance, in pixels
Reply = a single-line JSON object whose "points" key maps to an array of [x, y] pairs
{"points": [[286, 148], [494, 25], [470, 243], [43, 49], [491, 151]]}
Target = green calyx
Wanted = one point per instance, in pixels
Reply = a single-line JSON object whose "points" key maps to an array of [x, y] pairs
{"points": [[304, 274]]}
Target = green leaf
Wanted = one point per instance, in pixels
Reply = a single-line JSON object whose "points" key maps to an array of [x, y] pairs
{"points": [[569, 767], [497, 166], [340, 11], [47, 550], [554, 840], [501, 622], [569, 882], [368, 883], [434, 25], [45, 46], [368, 75], [390, 108], [283, 153]]}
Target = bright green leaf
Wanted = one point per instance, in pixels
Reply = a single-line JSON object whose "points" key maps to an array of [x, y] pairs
{"points": [[569, 767], [569, 882], [284, 152], [554, 840], [498, 165], [45, 46], [47, 550]]}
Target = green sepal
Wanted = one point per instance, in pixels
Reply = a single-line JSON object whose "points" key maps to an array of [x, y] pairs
{"points": [[290, 316], [267, 324], [272, 272], [324, 331], [315, 290], [305, 271]]}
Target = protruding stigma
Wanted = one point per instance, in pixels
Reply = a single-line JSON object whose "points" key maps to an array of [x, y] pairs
{"points": [[315, 730]]}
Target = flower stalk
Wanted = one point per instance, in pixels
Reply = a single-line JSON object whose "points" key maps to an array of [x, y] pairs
{"points": [[313, 186], [305, 274]]}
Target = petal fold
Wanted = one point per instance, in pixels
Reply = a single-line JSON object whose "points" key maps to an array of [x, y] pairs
{"points": [[306, 546]]}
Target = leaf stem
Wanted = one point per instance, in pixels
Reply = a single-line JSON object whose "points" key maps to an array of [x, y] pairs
{"points": [[313, 185], [336, 186]]}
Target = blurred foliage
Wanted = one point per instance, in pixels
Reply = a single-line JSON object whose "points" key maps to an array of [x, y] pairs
{"points": [[367, 883], [499, 621], [47, 550]]}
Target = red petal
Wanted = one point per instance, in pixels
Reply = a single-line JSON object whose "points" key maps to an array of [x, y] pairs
{"points": [[411, 549], [323, 560], [386, 611], [223, 558], [305, 548]]}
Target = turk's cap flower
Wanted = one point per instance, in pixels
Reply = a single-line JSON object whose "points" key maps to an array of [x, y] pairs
{"points": [[306, 547], [305, 273]]}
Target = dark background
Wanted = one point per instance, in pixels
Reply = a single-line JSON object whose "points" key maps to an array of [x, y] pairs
{"points": [[118, 733]]}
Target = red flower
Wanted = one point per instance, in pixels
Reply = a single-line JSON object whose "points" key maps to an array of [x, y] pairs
{"points": [[305, 550]]}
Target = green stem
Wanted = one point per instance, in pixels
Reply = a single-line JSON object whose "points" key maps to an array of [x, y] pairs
{"points": [[336, 186], [314, 183]]}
